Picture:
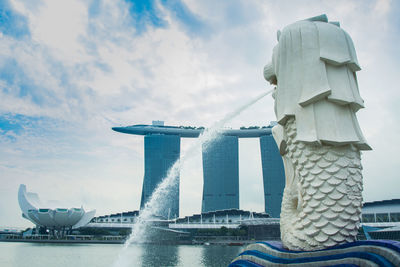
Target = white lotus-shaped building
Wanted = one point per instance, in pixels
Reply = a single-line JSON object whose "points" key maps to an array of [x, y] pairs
{"points": [[44, 214]]}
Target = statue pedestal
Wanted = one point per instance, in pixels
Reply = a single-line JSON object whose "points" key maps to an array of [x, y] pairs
{"points": [[359, 253]]}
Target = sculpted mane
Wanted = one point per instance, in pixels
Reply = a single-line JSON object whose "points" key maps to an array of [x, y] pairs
{"points": [[315, 64]]}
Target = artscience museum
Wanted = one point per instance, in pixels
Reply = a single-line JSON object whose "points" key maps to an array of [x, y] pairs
{"points": [[48, 216]]}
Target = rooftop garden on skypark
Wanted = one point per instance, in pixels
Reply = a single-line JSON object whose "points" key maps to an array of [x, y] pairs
{"points": [[200, 128], [192, 127], [168, 126], [254, 127]]}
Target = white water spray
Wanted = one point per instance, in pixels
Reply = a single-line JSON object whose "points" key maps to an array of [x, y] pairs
{"points": [[156, 202]]}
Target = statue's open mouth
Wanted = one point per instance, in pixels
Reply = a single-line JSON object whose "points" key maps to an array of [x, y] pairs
{"points": [[269, 74]]}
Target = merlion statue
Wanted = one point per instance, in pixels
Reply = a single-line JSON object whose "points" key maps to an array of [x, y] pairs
{"points": [[314, 68]]}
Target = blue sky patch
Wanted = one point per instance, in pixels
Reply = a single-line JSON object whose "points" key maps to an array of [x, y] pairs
{"points": [[190, 22], [11, 22], [9, 122], [145, 13], [33, 125], [18, 83], [94, 8]]}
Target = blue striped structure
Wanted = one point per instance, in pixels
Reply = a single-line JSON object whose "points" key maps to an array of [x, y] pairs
{"points": [[360, 253]]}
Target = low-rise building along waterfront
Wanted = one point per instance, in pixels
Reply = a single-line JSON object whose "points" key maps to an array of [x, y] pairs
{"points": [[381, 219], [383, 211]]}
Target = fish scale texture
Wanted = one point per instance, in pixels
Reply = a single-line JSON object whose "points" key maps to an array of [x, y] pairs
{"points": [[321, 206]]}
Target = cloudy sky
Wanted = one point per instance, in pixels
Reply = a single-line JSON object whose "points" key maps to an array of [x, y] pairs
{"points": [[70, 70]]}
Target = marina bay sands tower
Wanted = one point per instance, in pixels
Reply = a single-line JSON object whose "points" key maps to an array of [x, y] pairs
{"points": [[160, 153], [220, 165], [221, 175]]}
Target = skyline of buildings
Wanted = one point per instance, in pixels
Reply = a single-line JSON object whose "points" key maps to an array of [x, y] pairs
{"points": [[220, 165]]}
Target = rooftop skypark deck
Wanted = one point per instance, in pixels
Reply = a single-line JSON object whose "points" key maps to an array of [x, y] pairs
{"points": [[191, 132]]}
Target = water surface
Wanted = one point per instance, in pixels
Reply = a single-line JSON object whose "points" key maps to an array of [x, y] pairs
{"points": [[99, 255]]}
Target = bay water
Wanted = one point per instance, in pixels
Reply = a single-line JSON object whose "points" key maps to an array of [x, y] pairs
{"points": [[99, 255]]}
